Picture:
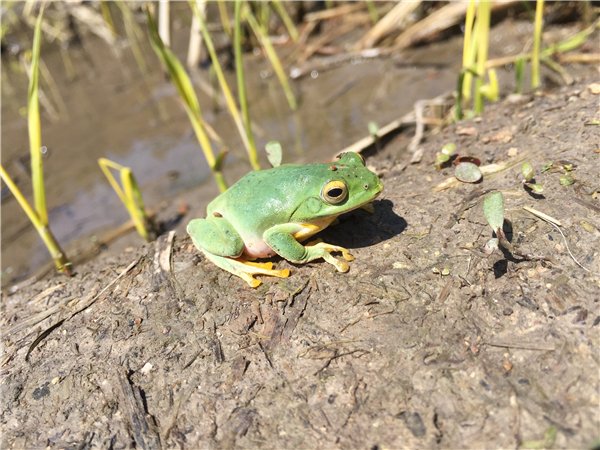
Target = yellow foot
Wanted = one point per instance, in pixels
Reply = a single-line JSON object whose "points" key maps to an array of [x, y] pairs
{"points": [[245, 269], [267, 265], [341, 266]]}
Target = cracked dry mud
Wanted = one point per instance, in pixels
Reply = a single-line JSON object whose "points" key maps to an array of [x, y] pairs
{"points": [[388, 355]]}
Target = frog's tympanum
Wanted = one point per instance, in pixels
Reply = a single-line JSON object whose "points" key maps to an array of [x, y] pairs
{"points": [[270, 212]]}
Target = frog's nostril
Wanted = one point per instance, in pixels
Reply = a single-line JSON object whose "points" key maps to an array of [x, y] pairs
{"points": [[366, 186]]}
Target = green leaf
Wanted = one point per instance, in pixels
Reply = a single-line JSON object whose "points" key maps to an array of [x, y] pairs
{"points": [[566, 180], [493, 210], [467, 172], [547, 166], [273, 149], [537, 188], [568, 167], [373, 129], [449, 148], [440, 160], [527, 169]]}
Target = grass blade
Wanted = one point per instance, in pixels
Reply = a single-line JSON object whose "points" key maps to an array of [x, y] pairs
{"points": [[131, 37], [60, 258], [272, 55], [35, 133], [224, 17], [288, 22], [239, 68], [225, 88], [537, 39], [182, 82], [483, 35], [129, 194]]}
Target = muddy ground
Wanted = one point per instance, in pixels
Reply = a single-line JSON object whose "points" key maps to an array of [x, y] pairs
{"points": [[391, 354]]}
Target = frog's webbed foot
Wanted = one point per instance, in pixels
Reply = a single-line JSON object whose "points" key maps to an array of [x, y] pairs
{"points": [[341, 266], [245, 269]]}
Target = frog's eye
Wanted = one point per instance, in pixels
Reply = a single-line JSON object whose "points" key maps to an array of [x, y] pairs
{"points": [[334, 192], [361, 158]]}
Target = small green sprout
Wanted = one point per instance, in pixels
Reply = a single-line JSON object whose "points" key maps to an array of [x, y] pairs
{"points": [[444, 156], [527, 170], [566, 180], [274, 153], [547, 166]]}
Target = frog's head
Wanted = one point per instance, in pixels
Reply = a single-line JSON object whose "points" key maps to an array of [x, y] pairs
{"points": [[339, 187]]}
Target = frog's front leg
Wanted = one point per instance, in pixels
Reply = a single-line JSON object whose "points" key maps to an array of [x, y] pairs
{"points": [[222, 244], [282, 239]]}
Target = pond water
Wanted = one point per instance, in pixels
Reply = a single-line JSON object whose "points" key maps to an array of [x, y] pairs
{"points": [[111, 109]]}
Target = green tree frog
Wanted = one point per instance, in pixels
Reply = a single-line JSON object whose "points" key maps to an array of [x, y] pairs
{"points": [[271, 212]]}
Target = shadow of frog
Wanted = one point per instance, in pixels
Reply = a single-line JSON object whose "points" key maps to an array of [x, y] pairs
{"points": [[359, 229]]}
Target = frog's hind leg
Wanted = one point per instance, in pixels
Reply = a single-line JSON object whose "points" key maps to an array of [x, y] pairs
{"points": [[245, 269], [217, 236], [221, 244]]}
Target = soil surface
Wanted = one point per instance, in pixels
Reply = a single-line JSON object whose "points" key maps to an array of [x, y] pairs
{"points": [[157, 348]]}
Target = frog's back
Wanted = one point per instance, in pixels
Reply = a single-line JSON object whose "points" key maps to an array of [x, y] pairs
{"points": [[263, 193]]}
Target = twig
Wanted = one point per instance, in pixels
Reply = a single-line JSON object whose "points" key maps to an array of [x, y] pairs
{"points": [[370, 316], [444, 293], [367, 141], [523, 345], [541, 215], [45, 293], [389, 23], [552, 221], [354, 322], [586, 204], [579, 58], [318, 346]]}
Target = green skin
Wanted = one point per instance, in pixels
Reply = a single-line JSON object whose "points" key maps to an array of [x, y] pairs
{"points": [[271, 211]]}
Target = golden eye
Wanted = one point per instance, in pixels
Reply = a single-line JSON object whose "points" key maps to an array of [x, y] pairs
{"points": [[334, 192], [361, 158]]}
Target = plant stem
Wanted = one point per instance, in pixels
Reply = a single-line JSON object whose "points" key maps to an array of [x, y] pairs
{"points": [[226, 91], [483, 34], [239, 68], [35, 133], [60, 259], [272, 54], [537, 38]]}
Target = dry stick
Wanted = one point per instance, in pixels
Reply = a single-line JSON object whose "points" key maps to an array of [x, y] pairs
{"points": [[387, 24], [318, 346], [523, 345], [446, 291], [580, 58], [45, 293], [443, 18], [586, 204], [321, 42], [334, 61], [367, 141], [552, 221]]}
